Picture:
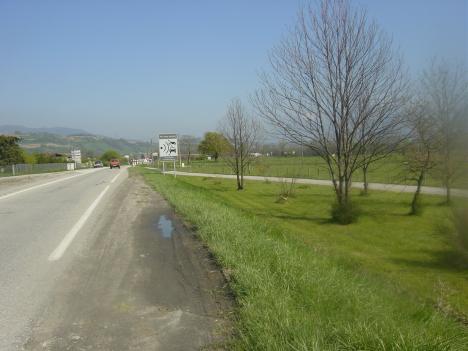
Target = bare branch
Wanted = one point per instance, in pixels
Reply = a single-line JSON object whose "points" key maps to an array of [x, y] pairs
{"points": [[336, 85], [243, 133]]}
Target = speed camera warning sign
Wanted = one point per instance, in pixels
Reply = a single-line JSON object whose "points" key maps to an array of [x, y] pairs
{"points": [[168, 146]]}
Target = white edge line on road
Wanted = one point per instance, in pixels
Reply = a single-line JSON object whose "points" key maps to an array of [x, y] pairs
{"points": [[67, 240], [115, 178]]}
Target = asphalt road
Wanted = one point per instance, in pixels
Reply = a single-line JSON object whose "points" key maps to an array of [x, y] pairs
{"points": [[96, 260]]}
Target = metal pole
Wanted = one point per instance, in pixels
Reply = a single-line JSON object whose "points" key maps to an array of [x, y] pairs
{"points": [[174, 168]]}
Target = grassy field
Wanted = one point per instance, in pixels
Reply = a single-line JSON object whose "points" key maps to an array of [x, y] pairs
{"points": [[388, 282], [392, 170]]}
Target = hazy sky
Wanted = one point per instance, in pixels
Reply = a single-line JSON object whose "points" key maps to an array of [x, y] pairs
{"points": [[135, 68]]}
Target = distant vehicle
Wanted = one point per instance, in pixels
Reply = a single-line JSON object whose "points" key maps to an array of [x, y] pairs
{"points": [[114, 163], [98, 164]]}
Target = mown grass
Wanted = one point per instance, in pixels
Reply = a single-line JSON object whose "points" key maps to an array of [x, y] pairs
{"points": [[391, 170], [303, 283]]}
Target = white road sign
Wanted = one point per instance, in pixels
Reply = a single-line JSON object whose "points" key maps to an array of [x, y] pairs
{"points": [[76, 155], [168, 146]]}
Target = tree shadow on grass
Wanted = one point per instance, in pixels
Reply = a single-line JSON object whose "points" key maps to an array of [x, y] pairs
{"points": [[314, 219], [448, 260]]}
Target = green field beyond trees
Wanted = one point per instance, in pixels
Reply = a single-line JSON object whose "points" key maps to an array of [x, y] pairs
{"points": [[391, 170], [389, 281]]}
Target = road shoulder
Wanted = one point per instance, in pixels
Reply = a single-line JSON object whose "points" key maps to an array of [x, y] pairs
{"points": [[142, 282]]}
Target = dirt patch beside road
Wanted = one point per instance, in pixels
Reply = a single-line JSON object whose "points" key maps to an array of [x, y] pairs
{"points": [[144, 282]]}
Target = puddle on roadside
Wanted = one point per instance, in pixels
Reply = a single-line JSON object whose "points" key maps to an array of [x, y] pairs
{"points": [[165, 226]]}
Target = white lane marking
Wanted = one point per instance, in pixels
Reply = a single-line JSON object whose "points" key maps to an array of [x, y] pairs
{"points": [[115, 178], [67, 240], [42, 185]]}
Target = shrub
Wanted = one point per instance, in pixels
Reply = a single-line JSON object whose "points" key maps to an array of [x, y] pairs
{"points": [[345, 213], [286, 189]]}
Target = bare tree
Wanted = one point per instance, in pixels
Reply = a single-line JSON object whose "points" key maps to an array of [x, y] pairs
{"points": [[282, 145], [445, 92], [188, 144], [242, 132], [379, 148], [422, 148], [336, 85]]}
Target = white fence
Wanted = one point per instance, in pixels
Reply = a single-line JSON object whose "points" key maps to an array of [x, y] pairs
{"points": [[21, 169]]}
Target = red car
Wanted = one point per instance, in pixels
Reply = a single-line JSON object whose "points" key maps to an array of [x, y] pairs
{"points": [[114, 163]]}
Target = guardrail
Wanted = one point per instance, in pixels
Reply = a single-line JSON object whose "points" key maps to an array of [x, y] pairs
{"points": [[23, 168]]}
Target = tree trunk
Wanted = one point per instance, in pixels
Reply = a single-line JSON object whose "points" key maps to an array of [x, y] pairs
{"points": [[240, 181], [366, 182], [341, 193], [347, 188], [414, 203], [448, 197], [241, 171]]}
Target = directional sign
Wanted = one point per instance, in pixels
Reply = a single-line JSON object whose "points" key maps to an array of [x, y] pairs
{"points": [[76, 155], [167, 147]]}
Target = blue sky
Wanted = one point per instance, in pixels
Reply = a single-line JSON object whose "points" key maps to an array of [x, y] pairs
{"points": [[136, 68]]}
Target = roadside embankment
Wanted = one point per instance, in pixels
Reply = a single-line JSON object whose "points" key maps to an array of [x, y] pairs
{"points": [[292, 297]]}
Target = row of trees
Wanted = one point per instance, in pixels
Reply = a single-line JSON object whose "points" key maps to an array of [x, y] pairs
{"points": [[437, 117], [12, 153], [337, 86]]}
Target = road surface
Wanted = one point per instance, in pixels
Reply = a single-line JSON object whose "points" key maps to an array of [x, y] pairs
{"points": [[399, 188], [96, 260]]}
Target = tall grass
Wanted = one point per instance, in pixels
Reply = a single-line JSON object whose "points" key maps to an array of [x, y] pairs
{"points": [[291, 298]]}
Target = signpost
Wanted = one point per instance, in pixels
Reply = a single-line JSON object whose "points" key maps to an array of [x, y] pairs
{"points": [[76, 156], [168, 149]]}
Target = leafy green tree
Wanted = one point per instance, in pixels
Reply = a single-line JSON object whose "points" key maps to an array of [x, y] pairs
{"points": [[109, 155], [214, 144], [10, 151], [29, 158]]}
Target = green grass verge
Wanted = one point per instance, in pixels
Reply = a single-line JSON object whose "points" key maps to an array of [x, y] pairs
{"points": [[297, 290], [391, 170]]}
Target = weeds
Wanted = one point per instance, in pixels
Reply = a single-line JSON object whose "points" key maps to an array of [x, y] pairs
{"points": [[286, 189]]}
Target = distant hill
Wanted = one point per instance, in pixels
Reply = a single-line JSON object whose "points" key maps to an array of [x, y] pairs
{"points": [[62, 141], [17, 129]]}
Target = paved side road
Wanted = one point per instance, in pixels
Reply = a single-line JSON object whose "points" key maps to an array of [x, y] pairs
{"points": [[100, 262], [373, 186]]}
